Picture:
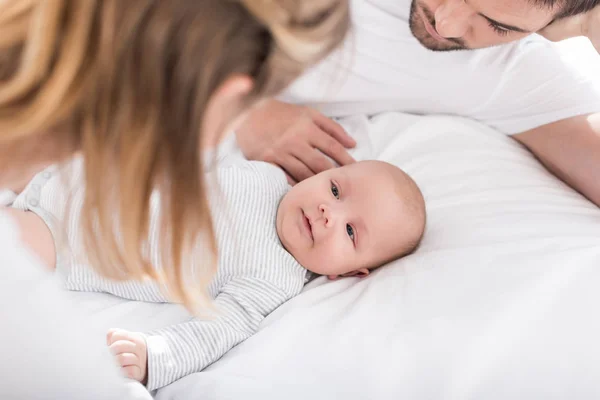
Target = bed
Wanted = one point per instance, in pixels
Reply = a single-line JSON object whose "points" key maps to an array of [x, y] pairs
{"points": [[499, 302]]}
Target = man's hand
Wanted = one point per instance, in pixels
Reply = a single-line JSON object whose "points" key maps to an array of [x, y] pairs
{"points": [[587, 24], [295, 138], [131, 352]]}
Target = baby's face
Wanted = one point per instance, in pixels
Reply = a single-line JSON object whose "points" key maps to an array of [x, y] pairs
{"points": [[347, 220]]}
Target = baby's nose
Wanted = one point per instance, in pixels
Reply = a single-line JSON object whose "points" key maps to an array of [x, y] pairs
{"points": [[326, 214], [324, 210]]}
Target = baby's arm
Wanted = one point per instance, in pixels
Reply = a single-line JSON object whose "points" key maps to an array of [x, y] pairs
{"points": [[189, 347]]}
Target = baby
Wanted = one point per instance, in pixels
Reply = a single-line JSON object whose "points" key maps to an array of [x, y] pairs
{"points": [[342, 222]]}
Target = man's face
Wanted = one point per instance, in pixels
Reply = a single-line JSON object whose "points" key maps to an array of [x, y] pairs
{"points": [[445, 25]]}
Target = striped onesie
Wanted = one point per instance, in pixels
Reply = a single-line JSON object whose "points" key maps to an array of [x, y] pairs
{"points": [[255, 273]]}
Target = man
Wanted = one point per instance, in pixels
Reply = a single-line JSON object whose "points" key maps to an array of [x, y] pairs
{"points": [[443, 57]]}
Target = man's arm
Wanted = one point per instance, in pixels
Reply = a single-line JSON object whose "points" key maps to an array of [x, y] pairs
{"points": [[570, 149]]}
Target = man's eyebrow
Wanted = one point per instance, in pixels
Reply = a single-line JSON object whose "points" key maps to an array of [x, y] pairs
{"points": [[505, 26]]}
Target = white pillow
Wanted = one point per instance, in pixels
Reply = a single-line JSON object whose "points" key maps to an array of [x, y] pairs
{"points": [[500, 301]]}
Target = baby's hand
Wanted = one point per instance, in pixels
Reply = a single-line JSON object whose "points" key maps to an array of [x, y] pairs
{"points": [[131, 352]]}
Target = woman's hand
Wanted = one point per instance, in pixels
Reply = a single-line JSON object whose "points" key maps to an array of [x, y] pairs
{"points": [[294, 138], [131, 352], [587, 24]]}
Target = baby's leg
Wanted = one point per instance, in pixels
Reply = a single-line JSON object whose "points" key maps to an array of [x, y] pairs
{"points": [[35, 235]]}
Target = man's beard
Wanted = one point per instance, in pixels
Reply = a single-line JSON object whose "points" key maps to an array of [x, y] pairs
{"points": [[417, 27]]}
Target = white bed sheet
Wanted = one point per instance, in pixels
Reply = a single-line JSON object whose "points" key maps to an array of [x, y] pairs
{"points": [[500, 301]]}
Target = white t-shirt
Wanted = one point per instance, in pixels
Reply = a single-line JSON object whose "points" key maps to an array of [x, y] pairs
{"points": [[513, 88], [46, 349]]}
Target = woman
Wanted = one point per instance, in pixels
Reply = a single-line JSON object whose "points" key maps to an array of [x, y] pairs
{"points": [[139, 88]]}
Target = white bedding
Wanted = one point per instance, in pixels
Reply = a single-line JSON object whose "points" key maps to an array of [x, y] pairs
{"points": [[498, 303]]}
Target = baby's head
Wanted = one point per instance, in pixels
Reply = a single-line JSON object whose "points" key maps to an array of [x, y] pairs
{"points": [[348, 220]]}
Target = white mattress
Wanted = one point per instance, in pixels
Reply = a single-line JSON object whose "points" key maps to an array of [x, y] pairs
{"points": [[500, 302]]}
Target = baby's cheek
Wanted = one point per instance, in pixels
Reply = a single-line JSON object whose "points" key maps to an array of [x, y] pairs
{"points": [[317, 260], [336, 257], [313, 260], [329, 256]]}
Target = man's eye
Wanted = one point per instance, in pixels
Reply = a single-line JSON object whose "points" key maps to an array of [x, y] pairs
{"points": [[350, 231], [498, 29], [335, 191]]}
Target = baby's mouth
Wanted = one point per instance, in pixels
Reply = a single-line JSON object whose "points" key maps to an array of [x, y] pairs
{"points": [[307, 225]]}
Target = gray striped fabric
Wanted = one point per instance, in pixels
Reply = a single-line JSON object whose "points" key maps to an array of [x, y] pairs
{"points": [[255, 274]]}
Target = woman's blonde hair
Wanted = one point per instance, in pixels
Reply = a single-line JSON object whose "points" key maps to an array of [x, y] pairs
{"points": [[126, 83]]}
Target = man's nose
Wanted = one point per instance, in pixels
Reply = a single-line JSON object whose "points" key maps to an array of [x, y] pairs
{"points": [[453, 18]]}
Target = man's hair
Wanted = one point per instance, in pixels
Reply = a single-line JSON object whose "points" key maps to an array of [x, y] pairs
{"points": [[567, 8]]}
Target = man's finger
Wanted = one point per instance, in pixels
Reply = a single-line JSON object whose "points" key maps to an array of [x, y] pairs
{"points": [[290, 180], [334, 129], [295, 168], [312, 158], [332, 148]]}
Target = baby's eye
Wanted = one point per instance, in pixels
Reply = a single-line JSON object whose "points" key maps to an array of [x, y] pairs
{"points": [[335, 191], [350, 231]]}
